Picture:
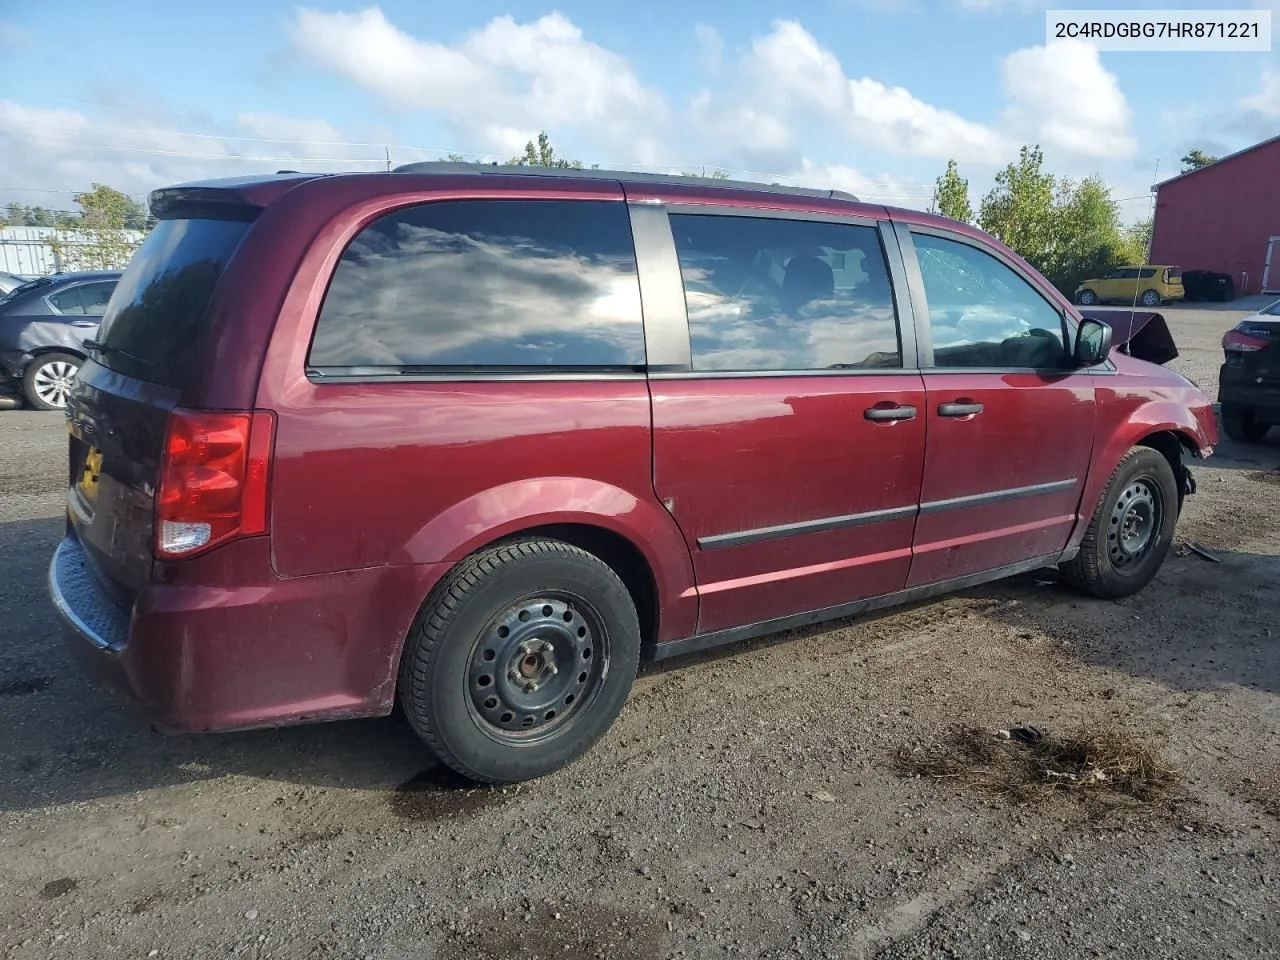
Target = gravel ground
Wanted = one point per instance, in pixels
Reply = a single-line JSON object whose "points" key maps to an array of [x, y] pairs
{"points": [[745, 804]]}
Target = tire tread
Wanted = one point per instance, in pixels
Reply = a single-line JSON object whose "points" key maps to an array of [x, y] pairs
{"points": [[431, 629], [1084, 571]]}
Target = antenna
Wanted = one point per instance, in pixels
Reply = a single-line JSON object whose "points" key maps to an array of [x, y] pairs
{"points": [[1146, 254]]}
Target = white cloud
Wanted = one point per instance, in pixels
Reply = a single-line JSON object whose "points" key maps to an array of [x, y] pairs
{"points": [[1265, 104], [49, 149], [710, 46], [272, 126], [1063, 97], [885, 188], [501, 83], [765, 108], [788, 74]]}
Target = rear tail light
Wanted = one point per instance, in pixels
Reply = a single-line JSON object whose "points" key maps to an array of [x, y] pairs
{"points": [[213, 480], [1236, 341]]}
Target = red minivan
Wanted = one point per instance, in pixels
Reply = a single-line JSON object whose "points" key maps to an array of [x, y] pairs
{"points": [[477, 439]]}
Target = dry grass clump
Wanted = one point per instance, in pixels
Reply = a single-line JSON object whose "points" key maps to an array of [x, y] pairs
{"points": [[1030, 765]]}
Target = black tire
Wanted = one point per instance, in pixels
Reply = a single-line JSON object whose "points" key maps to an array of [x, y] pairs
{"points": [[1086, 298], [1151, 298], [474, 715], [45, 378], [1114, 563], [1241, 423]]}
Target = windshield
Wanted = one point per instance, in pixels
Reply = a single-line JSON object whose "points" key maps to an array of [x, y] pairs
{"points": [[153, 323]]}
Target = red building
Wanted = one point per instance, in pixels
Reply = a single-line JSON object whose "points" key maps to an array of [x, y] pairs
{"points": [[1224, 217]]}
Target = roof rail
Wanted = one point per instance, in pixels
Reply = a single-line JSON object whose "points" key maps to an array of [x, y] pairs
{"points": [[624, 176]]}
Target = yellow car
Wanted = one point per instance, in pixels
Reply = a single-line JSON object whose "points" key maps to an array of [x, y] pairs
{"points": [[1148, 285]]}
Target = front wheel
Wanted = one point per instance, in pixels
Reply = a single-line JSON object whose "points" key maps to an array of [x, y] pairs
{"points": [[1132, 527], [1241, 423], [1086, 298], [1151, 298], [48, 379], [520, 660]]}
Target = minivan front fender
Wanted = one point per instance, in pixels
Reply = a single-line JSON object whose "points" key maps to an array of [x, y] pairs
{"points": [[509, 509], [1128, 419]]}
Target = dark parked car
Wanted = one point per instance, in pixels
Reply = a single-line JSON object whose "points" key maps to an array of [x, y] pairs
{"points": [[1249, 381], [477, 439], [43, 326]]}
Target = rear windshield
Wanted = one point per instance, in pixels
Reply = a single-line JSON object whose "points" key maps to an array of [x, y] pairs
{"points": [[153, 323]]}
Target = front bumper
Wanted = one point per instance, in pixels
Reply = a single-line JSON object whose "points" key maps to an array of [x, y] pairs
{"points": [[252, 650]]}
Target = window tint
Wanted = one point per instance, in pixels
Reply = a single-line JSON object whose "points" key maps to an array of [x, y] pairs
{"points": [[1147, 273], [982, 313], [774, 294], [153, 323], [67, 302], [487, 283], [94, 296]]}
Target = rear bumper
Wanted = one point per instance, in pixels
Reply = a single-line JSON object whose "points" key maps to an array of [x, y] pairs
{"points": [[1238, 387], [255, 651]]}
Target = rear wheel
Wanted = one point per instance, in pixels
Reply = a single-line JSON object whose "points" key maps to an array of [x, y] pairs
{"points": [[1132, 527], [48, 378], [1241, 423], [520, 660], [1151, 298], [1087, 298]]}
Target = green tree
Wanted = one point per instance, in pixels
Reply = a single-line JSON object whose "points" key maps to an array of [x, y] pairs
{"points": [[542, 154], [1138, 240], [1086, 236], [1019, 210], [105, 237], [951, 195], [1195, 159]]}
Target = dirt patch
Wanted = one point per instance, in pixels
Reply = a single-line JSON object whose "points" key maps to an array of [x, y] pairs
{"points": [[439, 793], [1027, 765], [24, 686], [57, 888], [1269, 476], [568, 932]]}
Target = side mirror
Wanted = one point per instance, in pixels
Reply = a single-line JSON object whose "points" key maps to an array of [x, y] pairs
{"points": [[1093, 343]]}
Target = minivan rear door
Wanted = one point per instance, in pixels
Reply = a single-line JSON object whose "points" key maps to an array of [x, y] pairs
{"points": [[118, 411], [791, 453]]}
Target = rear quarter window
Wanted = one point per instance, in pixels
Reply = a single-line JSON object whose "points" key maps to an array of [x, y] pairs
{"points": [[154, 322], [468, 284]]}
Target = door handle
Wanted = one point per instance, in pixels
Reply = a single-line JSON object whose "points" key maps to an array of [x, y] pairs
{"points": [[890, 413], [84, 323], [958, 409]]}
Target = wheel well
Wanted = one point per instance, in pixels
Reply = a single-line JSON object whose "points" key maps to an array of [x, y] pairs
{"points": [[1170, 444], [45, 351], [622, 556]]}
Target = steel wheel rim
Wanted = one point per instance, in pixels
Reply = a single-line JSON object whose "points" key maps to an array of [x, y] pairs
{"points": [[52, 382], [1134, 525], [1150, 299], [536, 667]]}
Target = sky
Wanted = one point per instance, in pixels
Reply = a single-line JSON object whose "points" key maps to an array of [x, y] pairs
{"points": [[871, 96]]}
